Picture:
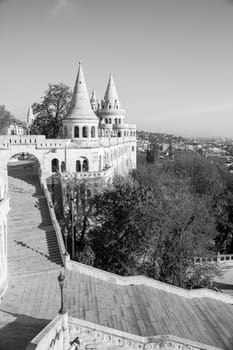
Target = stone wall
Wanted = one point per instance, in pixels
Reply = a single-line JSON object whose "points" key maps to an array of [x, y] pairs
{"points": [[4, 209], [96, 337], [106, 152], [54, 336], [149, 282]]}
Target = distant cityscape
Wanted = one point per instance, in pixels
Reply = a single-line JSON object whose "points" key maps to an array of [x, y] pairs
{"points": [[216, 149]]}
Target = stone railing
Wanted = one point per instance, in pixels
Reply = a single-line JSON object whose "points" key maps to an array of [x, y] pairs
{"points": [[21, 139], [90, 334], [217, 259], [56, 226], [52, 144], [149, 282], [86, 175], [37, 140], [54, 336], [40, 142], [114, 141]]}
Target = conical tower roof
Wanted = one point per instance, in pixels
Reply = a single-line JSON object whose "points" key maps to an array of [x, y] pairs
{"points": [[80, 103], [111, 95]]}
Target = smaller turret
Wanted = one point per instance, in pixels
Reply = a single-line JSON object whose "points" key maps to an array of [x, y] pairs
{"points": [[111, 99], [110, 109], [94, 101]]}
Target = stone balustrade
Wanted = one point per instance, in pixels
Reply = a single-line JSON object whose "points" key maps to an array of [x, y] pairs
{"points": [[55, 224], [86, 175], [96, 337], [217, 259], [21, 139], [54, 336], [149, 282], [40, 142]]}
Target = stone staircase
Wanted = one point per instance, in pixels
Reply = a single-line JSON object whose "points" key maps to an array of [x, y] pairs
{"points": [[32, 243]]}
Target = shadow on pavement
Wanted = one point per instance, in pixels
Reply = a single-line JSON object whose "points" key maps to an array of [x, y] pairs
{"points": [[18, 333]]}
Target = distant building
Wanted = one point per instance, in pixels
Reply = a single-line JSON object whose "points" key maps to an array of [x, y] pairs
{"points": [[14, 128]]}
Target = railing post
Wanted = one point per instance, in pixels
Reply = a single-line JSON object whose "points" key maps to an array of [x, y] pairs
{"points": [[61, 279], [67, 260]]}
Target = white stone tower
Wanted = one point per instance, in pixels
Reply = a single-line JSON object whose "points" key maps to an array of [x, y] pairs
{"points": [[80, 122]]}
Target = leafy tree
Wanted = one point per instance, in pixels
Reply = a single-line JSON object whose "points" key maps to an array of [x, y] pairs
{"points": [[202, 275], [187, 224], [125, 217], [170, 150], [186, 230], [157, 222], [5, 117], [152, 153], [205, 177], [78, 210], [50, 111], [141, 231]]}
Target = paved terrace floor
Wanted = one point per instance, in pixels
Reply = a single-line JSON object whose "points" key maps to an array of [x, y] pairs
{"points": [[33, 255], [33, 298]]}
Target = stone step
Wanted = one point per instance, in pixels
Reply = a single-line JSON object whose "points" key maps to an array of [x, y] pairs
{"points": [[35, 259], [49, 252], [32, 243]]}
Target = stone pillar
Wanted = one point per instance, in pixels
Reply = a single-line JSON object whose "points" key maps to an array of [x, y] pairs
{"points": [[66, 335]]}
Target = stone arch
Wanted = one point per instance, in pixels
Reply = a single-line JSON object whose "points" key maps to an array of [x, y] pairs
{"points": [[78, 166], [85, 166], [54, 165], [85, 132], [76, 131], [92, 131], [63, 166], [8, 155]]}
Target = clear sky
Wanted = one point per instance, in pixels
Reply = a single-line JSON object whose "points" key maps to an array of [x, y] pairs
{"points": [[172, 60]]}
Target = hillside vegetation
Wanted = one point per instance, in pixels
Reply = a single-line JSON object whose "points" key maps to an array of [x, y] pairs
{"points": [[157, 221]]}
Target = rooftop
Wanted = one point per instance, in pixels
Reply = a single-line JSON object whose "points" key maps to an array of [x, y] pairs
{"points": [[80, 103]]}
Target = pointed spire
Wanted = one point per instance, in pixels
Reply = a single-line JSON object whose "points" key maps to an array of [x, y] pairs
{"points": [[94, 101], [93, 95], [80, 104], [111, 96], [30, 116]]}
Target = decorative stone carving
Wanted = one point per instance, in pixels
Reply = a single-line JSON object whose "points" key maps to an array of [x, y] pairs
{"points": [[96, 339]]}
